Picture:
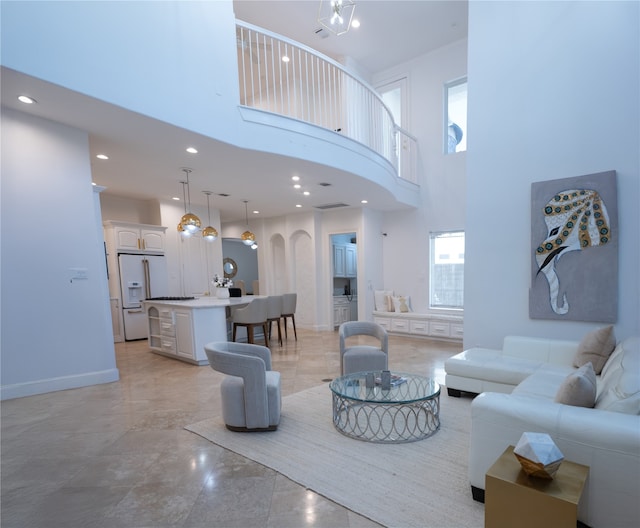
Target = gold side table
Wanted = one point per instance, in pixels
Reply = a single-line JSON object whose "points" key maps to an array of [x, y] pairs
{"points": [[512, 498]]}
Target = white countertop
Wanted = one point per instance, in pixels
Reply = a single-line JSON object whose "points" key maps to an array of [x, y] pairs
{"points": [[207, 301]]}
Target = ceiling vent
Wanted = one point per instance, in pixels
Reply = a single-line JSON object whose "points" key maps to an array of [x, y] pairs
{"points": [[332, 206]]}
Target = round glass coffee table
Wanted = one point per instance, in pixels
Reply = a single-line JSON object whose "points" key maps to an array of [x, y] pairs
{"points": [[408, 411]]}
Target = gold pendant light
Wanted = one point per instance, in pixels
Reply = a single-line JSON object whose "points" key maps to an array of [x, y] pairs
{"points": [[248, 238], [190, 223], [209, 233]]}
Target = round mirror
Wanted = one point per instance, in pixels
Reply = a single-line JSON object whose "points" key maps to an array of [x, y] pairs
{"points": [[230, 268]]}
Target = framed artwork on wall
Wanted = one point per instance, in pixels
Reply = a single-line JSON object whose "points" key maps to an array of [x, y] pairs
{"points": [[574, 249]]}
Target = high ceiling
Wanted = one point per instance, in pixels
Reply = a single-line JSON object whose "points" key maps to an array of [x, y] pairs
{"points": [[143, 163]]}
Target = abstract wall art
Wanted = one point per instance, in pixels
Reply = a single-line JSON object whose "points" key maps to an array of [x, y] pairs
{"points": [[574, 249]]}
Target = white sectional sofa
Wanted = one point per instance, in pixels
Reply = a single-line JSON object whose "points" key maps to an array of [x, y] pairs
{"points": [[526, 378]]}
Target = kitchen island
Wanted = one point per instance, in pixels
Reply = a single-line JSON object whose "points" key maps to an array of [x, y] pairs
{"points": [[180, 329]]}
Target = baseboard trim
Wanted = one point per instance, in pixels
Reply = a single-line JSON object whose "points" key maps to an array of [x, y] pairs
{"points": [[31, 388]]}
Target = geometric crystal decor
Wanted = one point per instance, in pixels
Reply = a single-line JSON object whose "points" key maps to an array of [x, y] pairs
{"points": [[538, 455]]}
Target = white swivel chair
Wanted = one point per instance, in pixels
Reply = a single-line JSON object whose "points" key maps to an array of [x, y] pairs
{"points": [[250, 393], [360, 358], [289, 301], [252, 315], [274, 314]]}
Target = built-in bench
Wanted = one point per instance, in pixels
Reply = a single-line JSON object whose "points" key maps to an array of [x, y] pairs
{"points": [[419, 324]]}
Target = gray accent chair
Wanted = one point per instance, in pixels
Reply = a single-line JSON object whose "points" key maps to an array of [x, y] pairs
{"points": [[289, 302], [250, 393], [360, 358]]}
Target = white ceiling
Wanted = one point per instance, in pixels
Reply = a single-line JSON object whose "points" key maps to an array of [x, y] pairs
{"points": [[142, 162]]}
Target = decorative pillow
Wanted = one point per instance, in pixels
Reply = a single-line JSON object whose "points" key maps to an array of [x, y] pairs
{"points": [[578, 388], [402, 304], [380, 299], [389, 303], [620, 383], [596, 347]]}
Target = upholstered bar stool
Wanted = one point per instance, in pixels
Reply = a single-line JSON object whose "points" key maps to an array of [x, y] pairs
{"points": [[289, 301], [274, 314], [360, 358], [252, 315], [250, 393], [240, 284]]}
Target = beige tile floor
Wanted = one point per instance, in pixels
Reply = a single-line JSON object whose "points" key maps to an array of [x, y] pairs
{"points": [[116, 455]]}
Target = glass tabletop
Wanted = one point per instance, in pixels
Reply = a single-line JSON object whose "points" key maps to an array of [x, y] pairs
{"points": [[405, 388]]}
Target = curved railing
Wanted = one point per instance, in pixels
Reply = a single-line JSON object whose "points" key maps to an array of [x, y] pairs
{"points": [[287, 78]]}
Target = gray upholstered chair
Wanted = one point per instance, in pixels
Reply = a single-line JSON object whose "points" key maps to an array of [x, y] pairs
{"points": [[274, 314], [252, 315], [360, 358], [250, 393], [289, 301]]}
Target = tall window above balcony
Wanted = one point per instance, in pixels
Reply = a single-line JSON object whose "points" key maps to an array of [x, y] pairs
{"points": [[455, 122]]}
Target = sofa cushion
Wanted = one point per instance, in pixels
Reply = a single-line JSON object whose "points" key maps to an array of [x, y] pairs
{"points": [[619, 388], [544, 383], [595, 347], [578, 388], [490, 365]]}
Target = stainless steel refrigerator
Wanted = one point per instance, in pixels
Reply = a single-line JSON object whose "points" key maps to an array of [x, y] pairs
{"points": [[141, 277]]}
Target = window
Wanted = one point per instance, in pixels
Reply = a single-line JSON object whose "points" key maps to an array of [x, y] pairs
{"points": [[455, 123], [446, 282]]}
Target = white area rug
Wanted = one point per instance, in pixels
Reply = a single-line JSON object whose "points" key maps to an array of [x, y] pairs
{"points": [[421, 484]]}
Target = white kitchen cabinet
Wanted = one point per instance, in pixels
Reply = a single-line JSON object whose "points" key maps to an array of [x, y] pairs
{"points": [[135, 238], [339, 269], [184, 334], [341, 311], [345, 260], [351, 260]]}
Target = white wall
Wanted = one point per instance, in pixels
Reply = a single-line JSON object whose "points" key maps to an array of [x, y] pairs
{"points": [[56, 331], [553, 93], [442, 178], [138, 55]]}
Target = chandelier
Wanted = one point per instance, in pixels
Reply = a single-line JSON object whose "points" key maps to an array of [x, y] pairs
{"points": [[248, 238], [189, 223], [209, 233], [336, 15]]}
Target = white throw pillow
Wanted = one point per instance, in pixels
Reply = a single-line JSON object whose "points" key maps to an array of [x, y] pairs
{"points": [[578, 388], [380, 299], [402, 304], [620, 383]]}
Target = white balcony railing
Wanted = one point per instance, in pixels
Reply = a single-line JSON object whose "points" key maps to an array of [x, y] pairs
{"points": [[287, 78]]}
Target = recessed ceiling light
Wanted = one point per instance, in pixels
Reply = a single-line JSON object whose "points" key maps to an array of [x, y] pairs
{"points": [[297, 186], [102, 156], [306, 193], [192, 150], [298, 205], [94, 183], [256, 212], [295, 178], [26, 99], [355, 23], [285, 58], [364, 201], [175, 198]]}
